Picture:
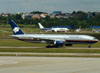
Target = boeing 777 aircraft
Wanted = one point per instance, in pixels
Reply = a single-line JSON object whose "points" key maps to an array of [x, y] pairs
{"points": [[54, 40], [56, 29]]}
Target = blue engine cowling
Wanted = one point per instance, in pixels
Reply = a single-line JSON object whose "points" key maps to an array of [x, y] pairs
{"points": [[59, 43]]}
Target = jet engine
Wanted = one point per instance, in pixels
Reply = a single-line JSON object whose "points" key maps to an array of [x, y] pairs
{"points": [[59, 43]]}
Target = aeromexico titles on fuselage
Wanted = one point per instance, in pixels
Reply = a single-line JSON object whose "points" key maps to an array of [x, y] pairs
{"points": [[55, 39]]}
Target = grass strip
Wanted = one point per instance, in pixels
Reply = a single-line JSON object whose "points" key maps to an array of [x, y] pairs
{"points": [[49, 50]]}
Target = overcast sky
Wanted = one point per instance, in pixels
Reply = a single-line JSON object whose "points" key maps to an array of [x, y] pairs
{"points": [[49, 5]]}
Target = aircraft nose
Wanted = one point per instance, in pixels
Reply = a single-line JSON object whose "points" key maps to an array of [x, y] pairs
{"points": [[96, 40]]}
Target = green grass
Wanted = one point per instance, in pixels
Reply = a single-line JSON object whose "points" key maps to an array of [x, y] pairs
{"points": [[49, 50], [16, 43]]}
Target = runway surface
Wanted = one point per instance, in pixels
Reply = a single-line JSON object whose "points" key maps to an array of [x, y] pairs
{"points": [[49, 65]]}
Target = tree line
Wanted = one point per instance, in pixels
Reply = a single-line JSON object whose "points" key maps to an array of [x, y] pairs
{"points": [[76, 19]]}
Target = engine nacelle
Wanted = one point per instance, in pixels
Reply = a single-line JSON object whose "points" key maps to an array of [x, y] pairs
{"points": [[59, 43]]}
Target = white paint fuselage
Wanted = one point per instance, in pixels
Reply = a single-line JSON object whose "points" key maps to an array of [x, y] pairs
{"points": [[73, 39]]}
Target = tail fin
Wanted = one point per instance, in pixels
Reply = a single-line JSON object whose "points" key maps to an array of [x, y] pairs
{"points": [[16, 30], [41, 26]]}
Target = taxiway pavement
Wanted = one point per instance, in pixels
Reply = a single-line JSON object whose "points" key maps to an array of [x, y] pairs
{"points": [[49, 65]]}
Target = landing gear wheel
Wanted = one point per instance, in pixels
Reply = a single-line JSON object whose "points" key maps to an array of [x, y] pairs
{"points": [[54, 46], [89, 46]]}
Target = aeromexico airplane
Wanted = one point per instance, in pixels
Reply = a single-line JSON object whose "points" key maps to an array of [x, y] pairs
{"points": [[53, 40]]}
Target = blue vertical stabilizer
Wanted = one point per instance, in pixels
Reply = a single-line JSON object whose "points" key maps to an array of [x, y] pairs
{"points": [[16, 30]]}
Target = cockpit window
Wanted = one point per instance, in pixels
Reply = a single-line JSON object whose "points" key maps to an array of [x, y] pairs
{"points": [[94, 38]]}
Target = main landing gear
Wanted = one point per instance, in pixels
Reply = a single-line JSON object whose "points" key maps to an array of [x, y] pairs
{"points": [[89, 46], [54, 46]]}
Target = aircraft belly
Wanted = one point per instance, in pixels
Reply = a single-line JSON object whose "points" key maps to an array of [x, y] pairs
{"points": [[81, 41]]}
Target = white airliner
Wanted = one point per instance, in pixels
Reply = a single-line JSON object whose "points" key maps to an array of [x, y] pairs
{"points": [[54, 29], [53, 40]]}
